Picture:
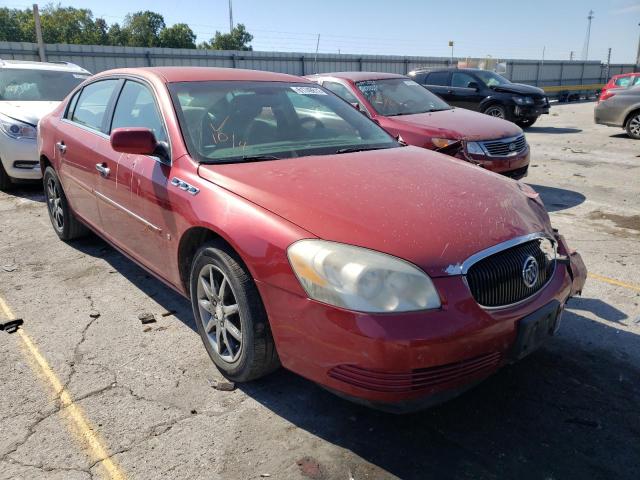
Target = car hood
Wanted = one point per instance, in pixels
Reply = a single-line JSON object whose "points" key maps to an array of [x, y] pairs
{"points": [[519, 88], [30, 112], [425, 207], [459, 124]]}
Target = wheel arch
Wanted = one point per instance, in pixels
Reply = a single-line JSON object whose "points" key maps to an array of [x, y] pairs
{"points": [[44, 163], [634, 110]]}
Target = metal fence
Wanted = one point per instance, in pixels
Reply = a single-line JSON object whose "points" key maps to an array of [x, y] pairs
{"points": [[97, 58]]}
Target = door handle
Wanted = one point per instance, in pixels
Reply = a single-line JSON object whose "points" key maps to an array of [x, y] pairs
{"points": [[103, 169], [61, 146]]}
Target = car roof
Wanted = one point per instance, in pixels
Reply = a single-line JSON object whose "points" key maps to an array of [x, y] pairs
{"points": [[445, 69], [31, 65], [357, 76], [202, 74]]}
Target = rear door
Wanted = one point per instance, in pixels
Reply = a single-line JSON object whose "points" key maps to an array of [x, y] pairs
{"points": [[463, 92], [78, 136], [438, 83]]}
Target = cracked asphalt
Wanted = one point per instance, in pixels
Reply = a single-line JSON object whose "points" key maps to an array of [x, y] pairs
{"points": [[568, 411]]}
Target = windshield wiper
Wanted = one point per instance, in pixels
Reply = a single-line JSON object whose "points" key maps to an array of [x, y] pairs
{"points": [[247, 158], [358, 149]]}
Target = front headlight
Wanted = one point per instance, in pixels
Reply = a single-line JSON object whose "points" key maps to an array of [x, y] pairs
{"points": [[475, 148], [523, 100], [360, 279], [442, 142], [16, 129]]}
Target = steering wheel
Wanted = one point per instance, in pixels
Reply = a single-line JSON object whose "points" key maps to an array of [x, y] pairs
{"points": [[318, 123]]}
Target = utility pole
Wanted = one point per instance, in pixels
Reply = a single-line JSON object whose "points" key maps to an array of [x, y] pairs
{"points": [[451, 45], [585, 51], [638, 54], [36, 18], [315, 58], [608, 66], [571, 53], [230, 16]]}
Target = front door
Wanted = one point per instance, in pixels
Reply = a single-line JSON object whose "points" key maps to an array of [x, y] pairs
{"points": [[465, 91]]}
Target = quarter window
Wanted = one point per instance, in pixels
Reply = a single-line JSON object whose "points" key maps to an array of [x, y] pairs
{"points": [[92, 104], [136, 108], [72, 104]]}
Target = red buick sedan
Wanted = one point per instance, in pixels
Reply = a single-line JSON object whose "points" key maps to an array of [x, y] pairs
{"points": [[304, 234], [406, 109]]}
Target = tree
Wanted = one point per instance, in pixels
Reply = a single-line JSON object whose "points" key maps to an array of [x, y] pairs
{"points": [[178, 36], [17, 25], [143, 28], [238, 39], [117, 36], [69, 25]]}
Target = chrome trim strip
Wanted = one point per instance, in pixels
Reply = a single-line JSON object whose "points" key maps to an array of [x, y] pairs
{"points": [[463, 268], [127, 211], [84, 127]]}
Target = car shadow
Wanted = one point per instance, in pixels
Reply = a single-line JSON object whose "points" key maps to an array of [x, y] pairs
{"points": [[520, 423], [622, 135], [170, 300], [28, 190], [556, 199], [599, 308], [547, 416], [552, 130]]}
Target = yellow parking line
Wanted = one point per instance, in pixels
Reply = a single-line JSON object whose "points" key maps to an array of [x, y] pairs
{"points": [[84, 430], [613, 281]]}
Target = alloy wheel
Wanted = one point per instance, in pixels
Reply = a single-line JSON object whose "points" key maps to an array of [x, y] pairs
{"points": [[54, 202], [494, 112], [219, 313], [634, 126]]}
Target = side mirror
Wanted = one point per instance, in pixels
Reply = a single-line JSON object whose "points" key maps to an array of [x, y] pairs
{"points": [[473, 85], [137, 141]]}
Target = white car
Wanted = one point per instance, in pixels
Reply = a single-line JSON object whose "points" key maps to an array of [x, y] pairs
{"points": [[28, 91]]}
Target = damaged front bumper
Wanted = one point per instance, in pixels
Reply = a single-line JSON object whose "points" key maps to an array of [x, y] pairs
{"points": [[575, 265]]}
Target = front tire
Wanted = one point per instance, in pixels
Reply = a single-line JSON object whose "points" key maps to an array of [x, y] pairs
{"points": [[496, 110], [5, 179], [526, 122], [633, 126], [230, 316], [64, 222]]}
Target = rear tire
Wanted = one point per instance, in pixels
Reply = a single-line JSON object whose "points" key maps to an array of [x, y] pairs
{"points": [[64, 222], [526, 122], [5, 179], [633, 126], [230, 316]]}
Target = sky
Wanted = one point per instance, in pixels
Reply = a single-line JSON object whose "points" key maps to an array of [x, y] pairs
{"points": [[499, 28]]}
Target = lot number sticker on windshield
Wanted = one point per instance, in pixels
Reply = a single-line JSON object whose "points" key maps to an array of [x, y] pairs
{"points": [[309, 90]]}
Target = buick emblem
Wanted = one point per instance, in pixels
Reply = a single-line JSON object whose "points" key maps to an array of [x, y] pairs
{"points": [[530, 272], [512, 147]]}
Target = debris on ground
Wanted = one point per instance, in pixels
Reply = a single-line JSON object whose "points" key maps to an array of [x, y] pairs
{"points": [[309, 467], [168, 313], [265, 475], [223, 385], [9, 268], [147, 329], [12, 325], [94, 314], [146, 317]]}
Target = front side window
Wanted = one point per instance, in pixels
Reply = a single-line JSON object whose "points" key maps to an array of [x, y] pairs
{"points": [[232, 121], [400, 96], [491, 79], [137, 108], [461, 80], [23, 85], [92, 104]]}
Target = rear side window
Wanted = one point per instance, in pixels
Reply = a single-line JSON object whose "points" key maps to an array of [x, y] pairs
{"points": [[137, 108], [92, 104], [437, 78], [624, 81]]}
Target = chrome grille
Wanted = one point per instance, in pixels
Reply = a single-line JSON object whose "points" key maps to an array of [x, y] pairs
{"points": [[504, 148], [498, 280]]}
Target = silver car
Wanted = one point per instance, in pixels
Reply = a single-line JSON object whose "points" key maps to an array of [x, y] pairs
{"points": [[620, 108]]}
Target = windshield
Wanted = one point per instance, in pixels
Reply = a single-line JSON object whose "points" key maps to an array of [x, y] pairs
{"points": [[491, 79], [22, 85], [227, 121], [400, 96]]}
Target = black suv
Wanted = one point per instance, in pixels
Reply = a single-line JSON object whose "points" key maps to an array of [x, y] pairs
{"points": [[486, 92]]}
